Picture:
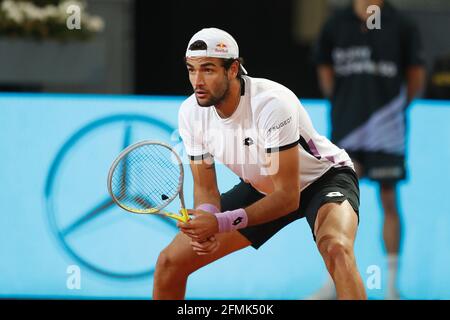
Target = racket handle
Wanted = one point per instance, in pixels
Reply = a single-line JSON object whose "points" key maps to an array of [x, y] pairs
{"points": [[183, 218], [185, 215]]}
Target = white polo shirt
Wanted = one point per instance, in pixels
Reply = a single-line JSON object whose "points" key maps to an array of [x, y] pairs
{"points": [[269, 118]]}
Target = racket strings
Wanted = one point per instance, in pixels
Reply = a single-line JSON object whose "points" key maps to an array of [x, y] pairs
{"points": [[148, 177], [168, 164], [161, 161], [135, 163], [150, 197], [144, 203], [134, 186], [160, 175]]}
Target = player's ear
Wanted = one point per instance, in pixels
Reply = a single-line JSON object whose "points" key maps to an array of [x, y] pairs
{"points": [[233, 70]]}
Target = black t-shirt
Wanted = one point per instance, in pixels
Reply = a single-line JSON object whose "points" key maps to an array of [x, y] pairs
{"points": [[369, 94]]}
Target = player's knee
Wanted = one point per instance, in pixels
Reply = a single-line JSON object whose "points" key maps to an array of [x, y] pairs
{"points": [[169, 265], [336, 250]]}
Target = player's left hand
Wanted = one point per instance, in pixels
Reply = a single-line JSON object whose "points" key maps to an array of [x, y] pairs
{"points": [[201, 227]]}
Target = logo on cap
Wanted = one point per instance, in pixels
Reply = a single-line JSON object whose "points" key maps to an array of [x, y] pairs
{"points": [[221, 47]]}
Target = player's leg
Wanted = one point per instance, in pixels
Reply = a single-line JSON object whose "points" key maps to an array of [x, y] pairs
{"points": [[178, 260], [391, 227], [328, 290], [388, 169], [335, 231], [391, 236]]}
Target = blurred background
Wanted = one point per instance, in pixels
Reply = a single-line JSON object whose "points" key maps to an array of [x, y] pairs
{"points": [[71, 99]]}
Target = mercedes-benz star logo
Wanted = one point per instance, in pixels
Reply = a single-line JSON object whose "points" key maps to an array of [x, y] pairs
{"points": [[89, 226]]}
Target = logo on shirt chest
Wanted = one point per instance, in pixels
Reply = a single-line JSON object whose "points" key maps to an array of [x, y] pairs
{"points": [[248, 141]]}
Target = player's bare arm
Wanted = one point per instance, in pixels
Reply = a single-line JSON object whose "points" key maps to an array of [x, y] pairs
{"points": [[205, 192], [205, 182], [283, 200]]}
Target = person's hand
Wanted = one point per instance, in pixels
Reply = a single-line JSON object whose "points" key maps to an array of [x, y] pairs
{"points": [[203, 226], [207, 247]]}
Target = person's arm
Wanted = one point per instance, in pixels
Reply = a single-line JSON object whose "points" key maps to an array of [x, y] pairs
{"points": [[415, 79], [206, 194], [206, 201], [286, 195], [325, 74], [413, 59], [283, 167], [205, 182], [323, 57], [201, 161]]}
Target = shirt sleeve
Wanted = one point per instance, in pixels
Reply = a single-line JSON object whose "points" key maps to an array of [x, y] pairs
{"points": [[278, 123], [191, 134]]}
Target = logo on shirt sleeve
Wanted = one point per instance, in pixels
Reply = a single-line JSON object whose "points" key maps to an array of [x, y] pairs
{"points": [[280, 125], [334, 194]]}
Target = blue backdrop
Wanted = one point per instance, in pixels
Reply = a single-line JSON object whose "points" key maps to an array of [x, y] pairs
{"points": [[55, 211]]}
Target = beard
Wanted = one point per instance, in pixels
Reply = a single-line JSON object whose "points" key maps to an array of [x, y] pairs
{"points": [[215, 99]]}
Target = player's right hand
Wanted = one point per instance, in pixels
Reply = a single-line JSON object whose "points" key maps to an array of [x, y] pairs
{"points": [[206, 247]]}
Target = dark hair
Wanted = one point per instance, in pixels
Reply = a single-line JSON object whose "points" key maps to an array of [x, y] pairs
{"points": [[198, 45], [228, 62], [201, 45]]}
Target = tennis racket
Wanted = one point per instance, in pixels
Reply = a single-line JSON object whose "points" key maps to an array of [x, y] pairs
{"points": [[146, 177]]}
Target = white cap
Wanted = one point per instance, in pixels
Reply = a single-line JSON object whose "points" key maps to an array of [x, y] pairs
{"points": [[219, 44]]}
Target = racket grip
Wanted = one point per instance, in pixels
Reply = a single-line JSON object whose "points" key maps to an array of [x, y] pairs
{"points": [[184, 215]]}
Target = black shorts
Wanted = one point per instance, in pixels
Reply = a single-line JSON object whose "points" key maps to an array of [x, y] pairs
{"points": [[382, 167], [336, 185]]}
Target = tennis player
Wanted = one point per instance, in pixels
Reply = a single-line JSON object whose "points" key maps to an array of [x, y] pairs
{"points": [[259, 129]]}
